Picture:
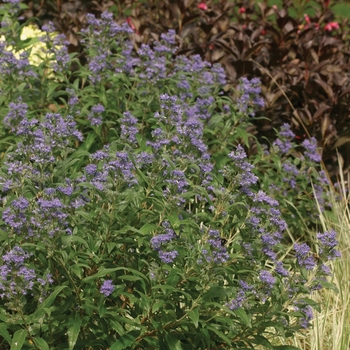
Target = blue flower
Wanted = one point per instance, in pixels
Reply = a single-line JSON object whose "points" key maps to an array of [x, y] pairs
{"points": [[311, 150], [107, 288]]}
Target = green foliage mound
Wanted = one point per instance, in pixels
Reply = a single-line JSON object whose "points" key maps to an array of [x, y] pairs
{"points": [[131, 217]]}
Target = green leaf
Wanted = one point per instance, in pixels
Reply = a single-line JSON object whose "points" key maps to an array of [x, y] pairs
{"points": [[219, 334], [20, 87], [258, 339], [194, 316], [18, 339], [173, 342], [76, 84], [117, 327], [88, 142], [101, 273], [48, 302], [214, 292], [73, 331], [2, 99], [4, 333], [125, 340], [246, 320], [102, 310], [85, 215], [41, 343], [141, 141], [74, 239], [277, 325], [80, 153], [157, 305], [51, 89], [36, 316], [111, 246], [148, 228], [312, 303], [129, 278], [285, 347]]}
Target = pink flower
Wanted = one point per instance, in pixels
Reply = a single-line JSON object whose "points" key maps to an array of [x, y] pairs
{"points": [[307, 19], [203, 6], [132, 25], [334, 25], [242, 10], [331, 25]]}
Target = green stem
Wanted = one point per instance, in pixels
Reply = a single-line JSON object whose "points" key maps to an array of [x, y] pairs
{"points": [[73, 284], [27, 328]]}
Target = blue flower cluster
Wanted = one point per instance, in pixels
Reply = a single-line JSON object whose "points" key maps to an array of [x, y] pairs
{"points": [[15, 277], [107, 288], [216, 252], [158, 243], [250, 98]]}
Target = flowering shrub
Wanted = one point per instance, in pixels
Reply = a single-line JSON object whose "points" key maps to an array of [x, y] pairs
{"points": [[301, 179], [131, 217]]}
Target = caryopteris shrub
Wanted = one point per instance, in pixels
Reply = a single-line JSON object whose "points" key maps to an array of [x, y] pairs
{"points": [[131, 216], [299, 51]]}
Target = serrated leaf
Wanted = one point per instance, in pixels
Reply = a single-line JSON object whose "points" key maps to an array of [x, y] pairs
{"points": [[148, 228], [194, 316], [4, 333], [141, 142], [173, 342], [258, 339], [21, 87], [41, 344], [18, 339], [101, 273], [129, 278], [214, 292], [2, 99], [173, 218], [51, 89], [73, 331], [88, 142], [125, 341], [246, 320], [102, 310], [157, 305], [219, 334], [75, 239], [117, 327], [85, 215], [48, 301]]}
